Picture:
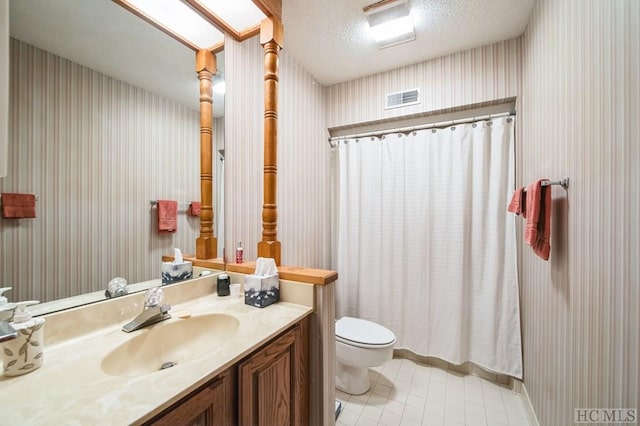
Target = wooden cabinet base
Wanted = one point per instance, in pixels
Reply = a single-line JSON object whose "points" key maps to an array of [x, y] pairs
{"points": [[213, 405], [270, 387], [273, 383]]}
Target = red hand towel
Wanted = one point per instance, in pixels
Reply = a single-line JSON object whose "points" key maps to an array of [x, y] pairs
{"points": [[537, 232], [518, 202], [15, 206], [167, 216], [194, 209]]}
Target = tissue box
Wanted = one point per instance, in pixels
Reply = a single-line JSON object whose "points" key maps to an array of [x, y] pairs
{"points": [[175, 272], [261, 291]]}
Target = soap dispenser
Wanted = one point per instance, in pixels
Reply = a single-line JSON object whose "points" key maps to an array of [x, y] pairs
{"points": [[6, 308], [25, 353]]}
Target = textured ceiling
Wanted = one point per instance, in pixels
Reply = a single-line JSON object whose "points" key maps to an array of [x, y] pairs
{"points": [[330, 38]]}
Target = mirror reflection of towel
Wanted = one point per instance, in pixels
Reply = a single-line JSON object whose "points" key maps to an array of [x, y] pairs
{"points": [[194, 209], [167, 216], [17, 206]]}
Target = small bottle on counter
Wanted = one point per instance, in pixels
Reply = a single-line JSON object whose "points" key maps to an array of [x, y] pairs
{"points": [[24, 354], [239, 252]]}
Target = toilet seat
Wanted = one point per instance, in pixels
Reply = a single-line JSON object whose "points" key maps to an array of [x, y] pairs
{"points": [[363, 334]]}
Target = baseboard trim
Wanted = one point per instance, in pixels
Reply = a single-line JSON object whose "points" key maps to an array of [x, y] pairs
{"points": [[521, 389]]}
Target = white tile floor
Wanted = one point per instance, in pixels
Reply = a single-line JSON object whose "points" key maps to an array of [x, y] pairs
{"points": [[408, 393]]}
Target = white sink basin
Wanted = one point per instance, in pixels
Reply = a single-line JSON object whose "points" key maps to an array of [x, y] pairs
{"points": [[173, 342]]}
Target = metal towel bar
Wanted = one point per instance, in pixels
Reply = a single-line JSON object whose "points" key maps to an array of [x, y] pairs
{"points": [[562, 182]]}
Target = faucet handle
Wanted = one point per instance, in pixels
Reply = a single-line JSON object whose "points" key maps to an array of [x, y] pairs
{"points": [[116, 287], [153, 297]]}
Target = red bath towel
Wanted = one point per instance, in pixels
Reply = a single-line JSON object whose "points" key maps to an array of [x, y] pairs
{"points": [[194, 209], [167, 216], [518, 202], [537, 232], [16, 206]]}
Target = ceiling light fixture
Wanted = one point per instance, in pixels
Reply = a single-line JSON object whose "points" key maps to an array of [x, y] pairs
{"points": [[390, 22], [240, 18], [179, 21], [201, 24]]}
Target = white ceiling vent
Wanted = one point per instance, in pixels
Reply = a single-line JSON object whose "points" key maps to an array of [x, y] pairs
{"points": [[401, 99]]}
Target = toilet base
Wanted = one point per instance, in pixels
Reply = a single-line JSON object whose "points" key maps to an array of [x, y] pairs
{"points": [[352, 380]]}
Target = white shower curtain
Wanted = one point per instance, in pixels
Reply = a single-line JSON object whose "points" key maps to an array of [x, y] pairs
{"points": [[424, 244]]}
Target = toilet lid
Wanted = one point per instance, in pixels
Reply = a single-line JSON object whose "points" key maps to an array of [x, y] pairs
{"points": [[362, 331]]}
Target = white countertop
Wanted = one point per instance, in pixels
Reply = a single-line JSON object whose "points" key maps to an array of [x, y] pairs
{"points": [[71, 388]]}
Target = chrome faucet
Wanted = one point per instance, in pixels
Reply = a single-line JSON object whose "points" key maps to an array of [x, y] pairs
{"points": [[154, 311]]}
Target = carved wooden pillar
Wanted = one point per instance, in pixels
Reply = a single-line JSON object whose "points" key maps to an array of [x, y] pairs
{"points": [[271, 39], [206, 243]]}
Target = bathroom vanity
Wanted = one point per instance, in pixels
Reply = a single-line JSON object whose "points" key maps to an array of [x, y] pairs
{"points": [[231, 360]]}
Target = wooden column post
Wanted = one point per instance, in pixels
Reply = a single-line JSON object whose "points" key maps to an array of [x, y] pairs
{"points": [[206, 243], [271, 39]]}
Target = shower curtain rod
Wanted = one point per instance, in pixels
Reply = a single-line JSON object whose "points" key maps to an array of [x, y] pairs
{"points": [[438, 125]]}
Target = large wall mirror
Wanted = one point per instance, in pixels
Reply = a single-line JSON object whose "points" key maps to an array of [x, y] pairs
{"points": [[104, 118]]}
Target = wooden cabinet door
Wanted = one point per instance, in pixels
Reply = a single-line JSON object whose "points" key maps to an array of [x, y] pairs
{"points": [[273, 384], [212, 405]]}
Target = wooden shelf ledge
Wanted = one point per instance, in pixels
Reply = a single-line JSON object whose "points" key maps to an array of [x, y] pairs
{"points": [[289, 273]]}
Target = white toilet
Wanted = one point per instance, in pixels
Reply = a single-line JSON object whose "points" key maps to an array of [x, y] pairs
{"points": [[360, 344]]}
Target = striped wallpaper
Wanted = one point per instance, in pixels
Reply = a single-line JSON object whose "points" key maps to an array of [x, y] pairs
{"points": [[95, 150], [303, 158], [218, 178], [243, 146], [474, 76], [579, 115], [4, 86]]}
